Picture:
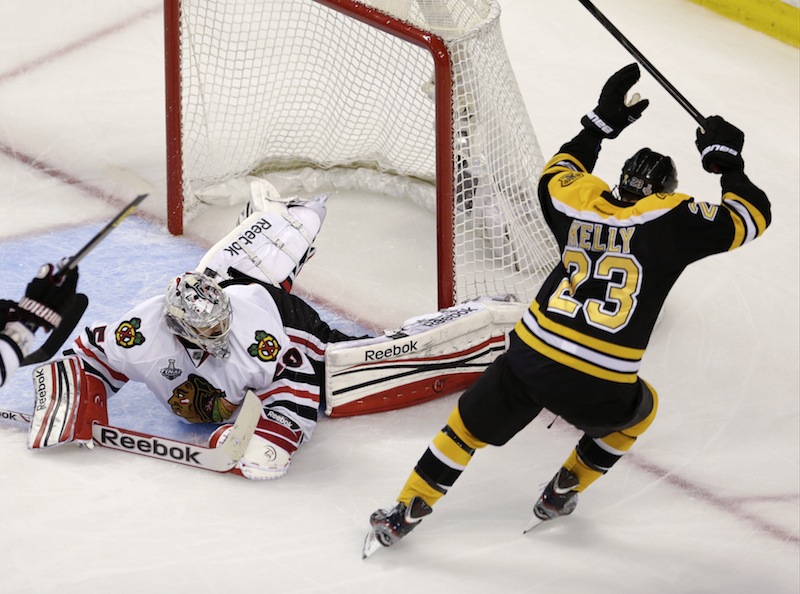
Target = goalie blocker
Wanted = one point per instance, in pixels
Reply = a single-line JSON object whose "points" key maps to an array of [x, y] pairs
{"points": [[67, 403], [428, 357]]}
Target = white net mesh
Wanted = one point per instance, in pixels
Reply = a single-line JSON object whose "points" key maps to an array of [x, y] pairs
{"points": [[297, 88]]}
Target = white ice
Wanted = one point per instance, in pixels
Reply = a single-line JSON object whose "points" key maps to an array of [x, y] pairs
{"points": [[707, 501]]}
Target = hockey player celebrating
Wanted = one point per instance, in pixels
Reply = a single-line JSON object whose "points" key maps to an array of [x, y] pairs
{"points": [[213, 335], [578, 348], [45, 298]]}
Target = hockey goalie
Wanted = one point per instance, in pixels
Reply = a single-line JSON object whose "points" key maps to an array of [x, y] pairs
{"points": [[233, 326]]}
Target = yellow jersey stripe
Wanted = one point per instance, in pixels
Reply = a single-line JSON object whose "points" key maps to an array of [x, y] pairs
{"points": [[572, 361], [755, 215], [586, 202], [609, 348], [739, 227]]}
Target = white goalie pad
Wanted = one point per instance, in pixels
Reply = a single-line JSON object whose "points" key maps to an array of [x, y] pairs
{"points": [[273, 243], [429, 356]]}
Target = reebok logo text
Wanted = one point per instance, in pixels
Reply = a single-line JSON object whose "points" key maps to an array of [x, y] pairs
{"points": [[41, 389], [392, 351], [12, 416], [248, 237], [149, 446]]}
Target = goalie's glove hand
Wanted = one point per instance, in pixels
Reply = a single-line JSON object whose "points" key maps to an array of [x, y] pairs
{"points": [[7, 312], [720, 146], [46, 298], [614, 112]]}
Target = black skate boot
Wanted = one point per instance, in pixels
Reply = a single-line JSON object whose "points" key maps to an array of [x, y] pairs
{"points": [[389, 526], [558, 498]]}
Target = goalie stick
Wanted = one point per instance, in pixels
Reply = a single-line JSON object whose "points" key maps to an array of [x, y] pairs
{"points": [[698, 117], [217, 459], [77, 305]]}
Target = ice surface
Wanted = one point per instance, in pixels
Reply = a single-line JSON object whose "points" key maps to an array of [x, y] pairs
{"points": [[706, 502]]}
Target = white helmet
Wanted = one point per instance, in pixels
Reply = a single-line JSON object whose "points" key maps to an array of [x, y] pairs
{"points": [[198, 310]]}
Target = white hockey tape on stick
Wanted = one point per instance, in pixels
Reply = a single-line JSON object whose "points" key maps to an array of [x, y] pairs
{"points": [[129, 179]]}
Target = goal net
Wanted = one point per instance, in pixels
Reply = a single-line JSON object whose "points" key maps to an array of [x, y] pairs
{"points": [[412, 98]]}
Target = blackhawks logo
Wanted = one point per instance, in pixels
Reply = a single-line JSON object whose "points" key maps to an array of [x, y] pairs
{"points": [[266, 347], [127, 333], [198, 401]]}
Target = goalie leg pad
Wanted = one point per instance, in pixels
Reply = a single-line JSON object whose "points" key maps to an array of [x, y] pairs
{"points": [[272, 244], [67, 403], [428, 357]]}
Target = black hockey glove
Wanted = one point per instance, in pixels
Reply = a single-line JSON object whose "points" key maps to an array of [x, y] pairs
{"points": [[47, 297], [7, 309], [613, 113], [720, 146]]}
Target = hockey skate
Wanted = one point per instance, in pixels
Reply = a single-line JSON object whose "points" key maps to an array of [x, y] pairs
{"points": [[558, 499], [389, 526]]}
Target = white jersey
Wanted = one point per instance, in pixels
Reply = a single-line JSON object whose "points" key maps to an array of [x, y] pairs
{"points": [[277, 346]]}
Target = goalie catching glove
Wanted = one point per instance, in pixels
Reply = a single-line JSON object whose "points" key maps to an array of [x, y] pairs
{"points": [[269, 453], [614, 112], [46, 297]]}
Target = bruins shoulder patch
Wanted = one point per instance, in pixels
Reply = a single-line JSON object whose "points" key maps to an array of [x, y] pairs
{"points": [[569, 178]]}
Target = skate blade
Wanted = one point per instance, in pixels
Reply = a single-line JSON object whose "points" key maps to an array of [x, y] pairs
{"points": [[371, 544], [535, 521]]}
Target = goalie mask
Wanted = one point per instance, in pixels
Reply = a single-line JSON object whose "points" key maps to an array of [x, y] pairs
{"points": [[647, 172], [199, 311]]}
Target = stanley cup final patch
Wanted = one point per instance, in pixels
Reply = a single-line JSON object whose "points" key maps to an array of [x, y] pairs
{"points": [[170, 371]]}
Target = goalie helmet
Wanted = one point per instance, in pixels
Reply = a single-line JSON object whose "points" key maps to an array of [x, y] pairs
{"points": [[198, 310], [647, 172]]}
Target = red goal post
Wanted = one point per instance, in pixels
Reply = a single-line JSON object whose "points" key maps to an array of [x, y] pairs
{"points": [[338, 93]]}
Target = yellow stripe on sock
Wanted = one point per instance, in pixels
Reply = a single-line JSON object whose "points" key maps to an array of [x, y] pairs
{"points": [[416, 486], [457, 425], [586, 476], [451, 450]]}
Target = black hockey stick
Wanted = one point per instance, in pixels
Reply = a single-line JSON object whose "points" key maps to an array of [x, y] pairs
{"points": [[698, 117], [79, 302]]}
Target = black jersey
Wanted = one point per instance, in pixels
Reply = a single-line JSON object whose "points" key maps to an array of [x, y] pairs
{"points": [[596, 310]]}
